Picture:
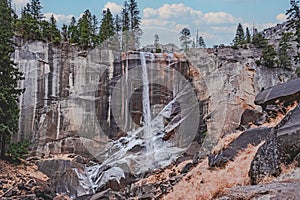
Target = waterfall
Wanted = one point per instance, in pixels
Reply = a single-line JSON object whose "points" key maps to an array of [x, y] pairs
{"points": [[146, 108], [58, 120]]}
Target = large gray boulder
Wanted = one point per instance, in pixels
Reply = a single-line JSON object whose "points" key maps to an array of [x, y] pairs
{"points": [[290, 89], [281, 147]]}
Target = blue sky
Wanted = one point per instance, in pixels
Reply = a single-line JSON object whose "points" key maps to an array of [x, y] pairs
{"points": [[216, 20]]}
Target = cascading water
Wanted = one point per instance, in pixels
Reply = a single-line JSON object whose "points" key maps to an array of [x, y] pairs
{"points": [[146, 111], [144, 149]]}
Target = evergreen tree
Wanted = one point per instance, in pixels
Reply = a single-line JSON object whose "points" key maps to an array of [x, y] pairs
{"points": [[64, 33], [125, 17], [118, 24], [107, 26], [54, 32], [248, 36], [95, 38], [259, 41], [201, 42], [36, 10], [73, 32], [185, 38], [134, 13], [294, 22], [239, 36], [85, 29], [268, 56], [9, 77], [285, 48]]}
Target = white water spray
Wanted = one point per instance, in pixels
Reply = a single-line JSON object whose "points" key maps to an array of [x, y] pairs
{"points": [[146, 110]]}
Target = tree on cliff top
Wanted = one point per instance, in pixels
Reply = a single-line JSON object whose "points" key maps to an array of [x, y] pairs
{"points": [[185, 38], [294, 22], [239, 36], [9, 77]]}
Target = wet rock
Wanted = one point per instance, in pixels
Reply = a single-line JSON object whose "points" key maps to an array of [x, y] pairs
{"points": [[63, 175], [252, 136], [250, 116], [282, 146]]}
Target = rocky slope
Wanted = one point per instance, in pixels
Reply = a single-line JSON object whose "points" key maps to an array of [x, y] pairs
{"points": [[69, 104]]}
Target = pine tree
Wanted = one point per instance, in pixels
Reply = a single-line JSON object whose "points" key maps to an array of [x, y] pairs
{"points": [[9, 77], [118, 24], [125, 17], [54, 32], [36, 10], [64, 33], [201, 42], [285, 48], [73, 32], [268, 56], [95, 37], [248, 36], [107, 29], [294, 23], [185, 38], [85, 29], [134, 13], [259, 41], [239, 36]]}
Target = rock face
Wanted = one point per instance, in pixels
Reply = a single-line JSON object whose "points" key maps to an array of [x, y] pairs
{"points": [[69, 98], [283, 143], [233, 80]]}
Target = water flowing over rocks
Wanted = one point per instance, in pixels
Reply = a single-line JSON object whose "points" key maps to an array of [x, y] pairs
{"points": [[89, 103]]}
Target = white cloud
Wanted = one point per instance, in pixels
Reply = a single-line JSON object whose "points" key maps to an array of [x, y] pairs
{"points": [[281, 17], [59, 17], [19, 4], [168, 11], [157, 22], [114, 8], [219, 18]]}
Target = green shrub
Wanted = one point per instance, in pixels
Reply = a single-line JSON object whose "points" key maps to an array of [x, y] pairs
{"points": [[18, 149], [158, 51]]}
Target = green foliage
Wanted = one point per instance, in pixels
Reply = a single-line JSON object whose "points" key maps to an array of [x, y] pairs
{"points": [[85, 30], [239, 36], [107, 28], [9, 77], [18, 149], [248, 36], [125, 17], [259, 41], [135, 19], [285, 48], [294, 22], [73, 31], [185, 38], [268, 56]]}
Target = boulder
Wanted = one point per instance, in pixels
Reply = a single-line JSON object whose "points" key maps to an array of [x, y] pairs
{"points": [[289, 89], [281, 147], [252, 136], [250, 116]]}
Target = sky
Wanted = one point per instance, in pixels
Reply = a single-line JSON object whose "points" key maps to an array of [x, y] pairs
{"points": [[215, 20]]}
